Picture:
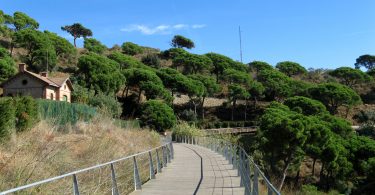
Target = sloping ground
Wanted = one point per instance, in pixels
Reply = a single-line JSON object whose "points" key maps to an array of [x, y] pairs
{"points": [[44, 152]]}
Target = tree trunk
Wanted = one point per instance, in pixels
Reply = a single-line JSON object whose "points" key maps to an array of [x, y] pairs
{"points": [[74, 40], [255, 102], [125, 90], [297, 178], [139, 96], [202, 106], [283, 176], [313, 167], [233, 106], [321, 172], [217, 77], [347, 112], [245, 109]]}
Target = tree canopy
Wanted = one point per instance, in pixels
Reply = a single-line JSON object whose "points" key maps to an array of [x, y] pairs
{"points": [[277, 85], [180, 41], [77, 30], [94, 45], [64, 50], [131, 48], [308, 106], [258, 66], [7, 68], [291, 68], [193, 63], [350, 76], [157, 115], [334, 95], [100, 73], [124, 60], [367, 61], [39, 49], [23, 21]]}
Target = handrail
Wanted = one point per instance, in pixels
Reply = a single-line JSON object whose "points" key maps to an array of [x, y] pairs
{"points": [[237, 156], [167, 154]]}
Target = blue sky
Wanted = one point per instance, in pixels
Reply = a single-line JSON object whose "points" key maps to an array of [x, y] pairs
{"points": [[318, 34]]}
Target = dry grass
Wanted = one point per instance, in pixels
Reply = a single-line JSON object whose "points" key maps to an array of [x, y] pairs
{"points": [[44, 152]]}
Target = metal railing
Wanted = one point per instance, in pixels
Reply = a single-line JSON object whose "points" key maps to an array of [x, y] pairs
{"points": [[250, 173], [135, 169]]}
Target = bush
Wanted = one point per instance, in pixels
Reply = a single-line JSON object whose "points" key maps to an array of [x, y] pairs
{"points": [[26, 113], [65, 113], [185, 129], [7, 117], [131, 48], [151, 60], [157, 115], [106, 103], [188, 115]]}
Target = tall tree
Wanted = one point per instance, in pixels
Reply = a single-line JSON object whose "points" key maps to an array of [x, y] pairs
{"points": [[258, 66], [282, 136], [100, 73], [65, 51], [181, 41], [367, 61], [350, 77], [277, 84], [219, 62], [291, 68], [23, 21], [210, 88], [39, 49], [7, 68], [334, 95], [236, 92], [77, 30], [193, 63]]}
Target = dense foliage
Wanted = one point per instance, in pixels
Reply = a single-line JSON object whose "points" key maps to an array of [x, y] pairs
{"points": [[157, 115]]}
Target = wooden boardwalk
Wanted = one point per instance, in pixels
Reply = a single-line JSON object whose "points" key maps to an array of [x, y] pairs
{"points": [[194, 170]]}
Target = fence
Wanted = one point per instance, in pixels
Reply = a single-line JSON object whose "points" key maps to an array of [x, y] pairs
{"points": [[249, 172], [123, 175]]}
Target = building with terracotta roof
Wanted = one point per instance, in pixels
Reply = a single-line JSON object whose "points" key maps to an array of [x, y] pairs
{"points": [[38, 85]]}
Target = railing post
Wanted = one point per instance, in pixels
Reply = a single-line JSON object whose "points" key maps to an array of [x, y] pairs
{"points": [[137, 180], [235, 165], [75, 185], [172, 150], [158, 167], [168, 151], [114, 183], [164, 157], [255, 181], [152, 173]]}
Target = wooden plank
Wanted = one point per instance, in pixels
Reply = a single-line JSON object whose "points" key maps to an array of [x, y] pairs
{"points": [[194, 170]]}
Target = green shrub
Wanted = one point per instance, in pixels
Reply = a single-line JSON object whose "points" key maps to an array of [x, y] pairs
{"points": [[185, 129], [131, 48], [7, 117], [107, 103], [63, 113], [157, 115], [151, 60], [26, 112]]}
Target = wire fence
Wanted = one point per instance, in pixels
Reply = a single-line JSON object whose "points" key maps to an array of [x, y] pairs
{"points": [[121, 176], [250, 173]]}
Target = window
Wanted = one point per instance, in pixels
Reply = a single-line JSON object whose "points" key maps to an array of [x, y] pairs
{"points": [[24, 82], [65, 98], [51, 96]]}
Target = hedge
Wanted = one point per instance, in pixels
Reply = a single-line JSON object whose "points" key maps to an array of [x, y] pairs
{"points": [[65, 113], [7, 117]]}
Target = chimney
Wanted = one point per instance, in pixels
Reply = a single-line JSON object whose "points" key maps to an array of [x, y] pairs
{"points": [[44, 74], [22, 67]]}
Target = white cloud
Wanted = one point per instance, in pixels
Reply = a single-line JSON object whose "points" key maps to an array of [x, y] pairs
{"points": [[180, 26], [160, 29], [195, 26]]}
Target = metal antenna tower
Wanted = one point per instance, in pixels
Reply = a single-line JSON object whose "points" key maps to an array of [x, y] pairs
{"points": [[239, 32]]}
